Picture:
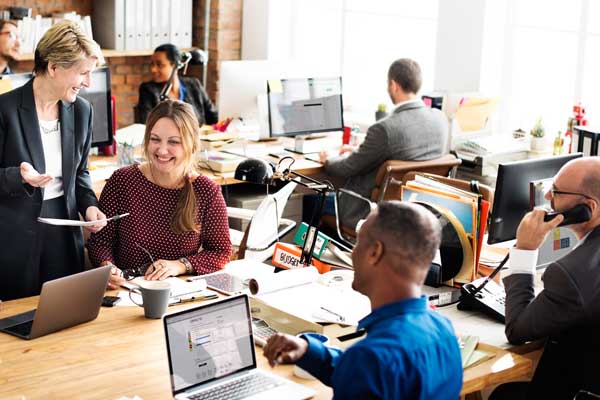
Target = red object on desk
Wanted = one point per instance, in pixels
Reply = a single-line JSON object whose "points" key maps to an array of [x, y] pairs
{"points": [[346, 135]]}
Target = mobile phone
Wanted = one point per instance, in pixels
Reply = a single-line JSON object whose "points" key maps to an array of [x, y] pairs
{"points": [[109, 301], [578, 214]]}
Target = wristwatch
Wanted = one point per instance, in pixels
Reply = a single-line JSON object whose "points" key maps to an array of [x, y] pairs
{"points": [[188, 265]]}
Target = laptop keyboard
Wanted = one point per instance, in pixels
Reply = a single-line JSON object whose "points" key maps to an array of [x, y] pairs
{"points": [[239, 388], [23, 329], [17, 319]]}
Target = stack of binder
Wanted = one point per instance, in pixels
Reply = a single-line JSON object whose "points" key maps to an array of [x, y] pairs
{"points": [[466, 211], [143, 24]]}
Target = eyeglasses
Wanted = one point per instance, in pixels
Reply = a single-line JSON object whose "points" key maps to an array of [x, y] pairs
{"points": [[554, 192], [11, 35], [131, 273]]}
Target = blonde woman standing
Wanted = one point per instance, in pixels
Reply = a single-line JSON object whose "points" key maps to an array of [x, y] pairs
{"points": [[178, 219], [45, 135]]}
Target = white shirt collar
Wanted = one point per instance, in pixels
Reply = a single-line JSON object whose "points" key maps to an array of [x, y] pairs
{"points": [[402, 103]]}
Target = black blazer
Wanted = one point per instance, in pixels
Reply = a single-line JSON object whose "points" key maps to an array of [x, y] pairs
{"points": [[195, 95], [20, 204]]}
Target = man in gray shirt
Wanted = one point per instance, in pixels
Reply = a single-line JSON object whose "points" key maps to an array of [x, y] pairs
{"points": [[411, 132]]}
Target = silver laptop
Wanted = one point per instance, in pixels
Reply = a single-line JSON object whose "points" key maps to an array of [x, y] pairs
{"points": [[211, 355], [63, 303]]}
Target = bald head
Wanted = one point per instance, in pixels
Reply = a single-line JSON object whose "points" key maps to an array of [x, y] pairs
{"points": [[585, 172], [410, 233]]}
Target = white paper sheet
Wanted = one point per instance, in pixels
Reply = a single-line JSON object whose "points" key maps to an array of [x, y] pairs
{"points": [[72, 222], [284, 279]]}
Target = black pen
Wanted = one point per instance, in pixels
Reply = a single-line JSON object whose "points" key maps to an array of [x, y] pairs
{"points": [[210, 296]]}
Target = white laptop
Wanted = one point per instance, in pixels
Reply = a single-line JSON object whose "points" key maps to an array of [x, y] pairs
{"points": [[211, 355]]}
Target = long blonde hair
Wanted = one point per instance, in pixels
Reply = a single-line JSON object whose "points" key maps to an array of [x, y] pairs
{"points": [[65, 44], [183, 116]]}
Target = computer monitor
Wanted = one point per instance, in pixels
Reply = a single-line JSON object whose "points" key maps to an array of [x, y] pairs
{"points": [[511, 198], [304, 106], [98, 94]]}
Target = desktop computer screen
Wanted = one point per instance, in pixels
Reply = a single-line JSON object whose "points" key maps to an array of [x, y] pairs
{"points": [[98, 94], [304, 106], [511, 197]]}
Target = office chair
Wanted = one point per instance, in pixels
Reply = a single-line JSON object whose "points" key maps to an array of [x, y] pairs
{"points": [[391, 172], [258, 241], [396, 169]]}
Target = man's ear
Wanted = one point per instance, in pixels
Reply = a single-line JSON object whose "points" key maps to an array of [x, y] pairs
{"points": [[375, 252]]}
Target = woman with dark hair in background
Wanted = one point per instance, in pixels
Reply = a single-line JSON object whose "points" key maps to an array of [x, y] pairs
{"points": [[184, 88], [178, 222]]}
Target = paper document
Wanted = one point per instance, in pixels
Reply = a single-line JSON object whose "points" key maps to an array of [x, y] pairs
{"points": [[73, 222], [282, 280], [179, 287], [473, 113]]}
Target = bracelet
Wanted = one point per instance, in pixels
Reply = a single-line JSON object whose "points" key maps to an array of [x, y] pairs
{"points": [[188, 265]]}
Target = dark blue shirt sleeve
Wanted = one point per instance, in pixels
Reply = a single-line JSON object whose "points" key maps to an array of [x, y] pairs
{"points": [[359, 375], [319, 360]]}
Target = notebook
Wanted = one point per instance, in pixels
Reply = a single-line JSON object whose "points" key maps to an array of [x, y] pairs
{"points": [[63, 303], [211, 355]]}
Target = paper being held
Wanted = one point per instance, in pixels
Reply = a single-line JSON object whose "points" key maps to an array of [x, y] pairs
{"points": [[73, 222]]}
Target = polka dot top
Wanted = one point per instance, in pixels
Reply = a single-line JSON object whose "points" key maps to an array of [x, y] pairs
{"points": [[148, 224]]}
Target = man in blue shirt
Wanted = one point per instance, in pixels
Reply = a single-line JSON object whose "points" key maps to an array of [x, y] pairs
{"points": [[9, 45], [410, 351]]}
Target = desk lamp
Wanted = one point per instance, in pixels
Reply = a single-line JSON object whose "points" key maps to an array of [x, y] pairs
{"points": [[258, 171], [194, 57]]}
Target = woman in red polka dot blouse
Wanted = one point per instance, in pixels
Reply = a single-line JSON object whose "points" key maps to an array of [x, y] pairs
{"points": [[176, 215]]}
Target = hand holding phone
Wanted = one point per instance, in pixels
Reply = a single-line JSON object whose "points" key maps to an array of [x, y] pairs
{"points": [[576, 215]]}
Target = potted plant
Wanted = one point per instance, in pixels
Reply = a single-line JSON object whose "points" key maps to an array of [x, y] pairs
{"points": [[381, 112], [537, 136]]}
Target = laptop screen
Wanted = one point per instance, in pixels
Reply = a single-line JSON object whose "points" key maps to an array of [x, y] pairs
{"points": [[209, 342]]}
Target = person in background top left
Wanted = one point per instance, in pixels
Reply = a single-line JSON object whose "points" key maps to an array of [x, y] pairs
{"points": [[45, 137], [178, 219], [10, 45]]}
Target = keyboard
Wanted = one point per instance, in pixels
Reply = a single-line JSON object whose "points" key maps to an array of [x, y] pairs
{"points": [[239, 388], [23, 329], [262, 331], [17, 319]]}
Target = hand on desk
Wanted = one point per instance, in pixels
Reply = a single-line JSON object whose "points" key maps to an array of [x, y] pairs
{"points": [[284, 349], [115, 280], [162, 269]]}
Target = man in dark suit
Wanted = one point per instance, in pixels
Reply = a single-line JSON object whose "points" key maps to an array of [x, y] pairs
{"points": [[9, 45], [567, 311], [412, 132]]}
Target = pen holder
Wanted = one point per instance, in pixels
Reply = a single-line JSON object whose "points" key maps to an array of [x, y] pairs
{"points": [[301, 373]]}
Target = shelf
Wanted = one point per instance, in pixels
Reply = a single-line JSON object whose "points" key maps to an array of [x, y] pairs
{"points": [[106, 52]]}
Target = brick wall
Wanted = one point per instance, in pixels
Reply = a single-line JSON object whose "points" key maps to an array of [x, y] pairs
{"points": [[128, 72]]}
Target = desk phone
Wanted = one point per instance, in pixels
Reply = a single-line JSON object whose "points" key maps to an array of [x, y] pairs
{"points": [[490, 299]]}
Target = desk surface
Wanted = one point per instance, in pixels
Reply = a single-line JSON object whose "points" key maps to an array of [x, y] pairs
{"points": [[123, 354], [301, 165]]}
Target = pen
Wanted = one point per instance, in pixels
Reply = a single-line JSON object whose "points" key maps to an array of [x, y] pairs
{"points": [[211, 296], [116, 217], [340, 317]]}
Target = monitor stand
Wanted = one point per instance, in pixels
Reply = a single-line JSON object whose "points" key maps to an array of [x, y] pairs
{"points": [[312, 143]]}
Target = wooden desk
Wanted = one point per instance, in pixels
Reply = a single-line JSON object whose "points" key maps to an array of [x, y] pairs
{"points": [[123, 354], [119, 354], [302, 165]]}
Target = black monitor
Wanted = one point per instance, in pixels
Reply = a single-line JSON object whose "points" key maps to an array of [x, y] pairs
{"points": [[511, 198], [304, 106], [98, 94]]}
